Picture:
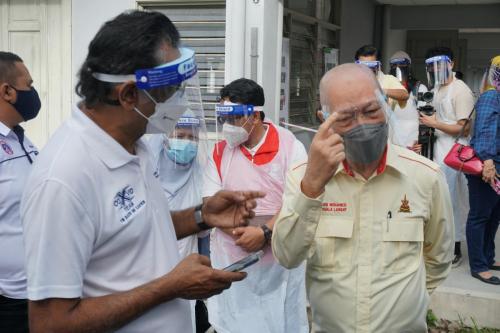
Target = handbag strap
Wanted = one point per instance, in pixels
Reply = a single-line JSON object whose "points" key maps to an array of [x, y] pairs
{"points": [[465, 124]]}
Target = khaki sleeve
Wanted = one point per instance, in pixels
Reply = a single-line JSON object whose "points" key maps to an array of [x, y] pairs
{"points": [[463, 101], [295, 228], [438, 235], [390, 82]]}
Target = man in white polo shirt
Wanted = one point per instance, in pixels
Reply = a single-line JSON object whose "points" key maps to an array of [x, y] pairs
{"points": [[19, 102], [100, 240]]}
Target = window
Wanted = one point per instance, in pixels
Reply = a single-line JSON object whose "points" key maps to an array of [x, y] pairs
{"points": [[310, 26]]}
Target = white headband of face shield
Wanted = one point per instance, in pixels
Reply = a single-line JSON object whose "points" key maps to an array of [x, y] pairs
{"points": [[172, 73], [171, 76], [255, 108]]}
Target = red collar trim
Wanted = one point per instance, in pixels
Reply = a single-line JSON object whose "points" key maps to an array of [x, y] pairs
{"points": [[380, 169], [269, 148], [347, 169], [383, 162]]}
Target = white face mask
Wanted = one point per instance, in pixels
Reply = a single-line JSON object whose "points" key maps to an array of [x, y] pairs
{"points": [[166, 114], [234, 135]]}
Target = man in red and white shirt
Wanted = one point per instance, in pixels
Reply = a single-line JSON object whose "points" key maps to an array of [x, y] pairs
{"points": [[256, 155]]}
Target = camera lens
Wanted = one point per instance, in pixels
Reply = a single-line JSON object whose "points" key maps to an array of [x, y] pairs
{"points": [[428, 96]]}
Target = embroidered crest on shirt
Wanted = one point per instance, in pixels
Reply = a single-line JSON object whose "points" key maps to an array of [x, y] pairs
{"points": [[405, 206], [6, 148], [124, 201]]}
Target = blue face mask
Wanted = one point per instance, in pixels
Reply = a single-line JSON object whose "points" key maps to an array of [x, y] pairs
{"points": [[182, 151], [28, 103]]}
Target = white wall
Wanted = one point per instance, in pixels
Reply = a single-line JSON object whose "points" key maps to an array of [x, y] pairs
{"points": [[39, 31], [358, 18], [267, 17], [393, 39], [481, 47], [87, 18], [449, 17]]}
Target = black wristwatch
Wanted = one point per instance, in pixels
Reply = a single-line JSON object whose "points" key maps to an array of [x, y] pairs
{"points": [[268, 233], [199, 218]]}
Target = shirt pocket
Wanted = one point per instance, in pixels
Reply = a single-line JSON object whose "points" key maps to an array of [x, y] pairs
{"points": [[333, 244], [402, 244]]}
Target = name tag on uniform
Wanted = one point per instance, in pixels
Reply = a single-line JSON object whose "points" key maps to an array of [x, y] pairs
{"points": [[6, 148]]}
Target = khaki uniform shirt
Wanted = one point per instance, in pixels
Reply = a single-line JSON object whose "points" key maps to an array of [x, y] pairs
{"points": [[374, 248], [387, 81]]}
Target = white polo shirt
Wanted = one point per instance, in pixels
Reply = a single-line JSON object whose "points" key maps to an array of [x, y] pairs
{"points": [[14, 170], [96, 222]]}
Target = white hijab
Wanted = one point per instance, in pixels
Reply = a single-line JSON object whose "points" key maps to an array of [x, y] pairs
{"points": [[181, 183]]}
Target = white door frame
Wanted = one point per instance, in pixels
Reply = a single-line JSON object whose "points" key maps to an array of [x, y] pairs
{"points": [[40, 32]]}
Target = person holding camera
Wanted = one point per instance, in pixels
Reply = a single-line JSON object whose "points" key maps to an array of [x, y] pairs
{"points": [[453, 103]]}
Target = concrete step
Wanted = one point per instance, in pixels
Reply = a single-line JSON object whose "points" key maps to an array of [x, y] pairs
{"points": [[462, 297]]}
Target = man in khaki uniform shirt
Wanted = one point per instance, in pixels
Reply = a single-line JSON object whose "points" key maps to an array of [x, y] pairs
{"points": [[373, 220]]}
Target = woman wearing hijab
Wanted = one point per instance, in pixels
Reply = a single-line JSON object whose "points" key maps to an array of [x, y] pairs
{"points": [[177, 160]]}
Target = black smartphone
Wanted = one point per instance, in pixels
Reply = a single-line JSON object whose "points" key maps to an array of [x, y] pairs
{"points": [[245, 262]]}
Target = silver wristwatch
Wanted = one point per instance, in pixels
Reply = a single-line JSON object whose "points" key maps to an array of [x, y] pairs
{"points": [[198, 218]]}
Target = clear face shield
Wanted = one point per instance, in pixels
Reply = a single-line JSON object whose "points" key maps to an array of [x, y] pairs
{"points": [[173, 87], [374, 66], [494, 76], [439, 70], [234, 122], [187, 145], [400, 68], [366, 127]]}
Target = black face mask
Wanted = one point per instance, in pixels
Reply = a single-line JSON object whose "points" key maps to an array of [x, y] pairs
{"points": [[28, 103], [364, 144]]}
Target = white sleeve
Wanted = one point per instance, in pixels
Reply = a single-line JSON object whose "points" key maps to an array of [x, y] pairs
{"points": [[421, 89], [299, 154], [211, 180], [58, 238]]}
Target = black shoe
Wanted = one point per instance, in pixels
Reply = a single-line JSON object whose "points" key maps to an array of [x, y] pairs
{"points": [[495, 268], [457, 260], [492, 280]]}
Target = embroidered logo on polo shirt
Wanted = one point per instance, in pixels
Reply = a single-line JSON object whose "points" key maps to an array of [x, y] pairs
{"points": [[6, 148], [124, 201], [405, 206]]}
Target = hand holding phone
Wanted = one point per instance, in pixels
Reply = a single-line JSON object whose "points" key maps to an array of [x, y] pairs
{"points": [[245, 262]]}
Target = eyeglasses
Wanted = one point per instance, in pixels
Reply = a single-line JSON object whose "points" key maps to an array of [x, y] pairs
{"points": [[365, 112]]}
